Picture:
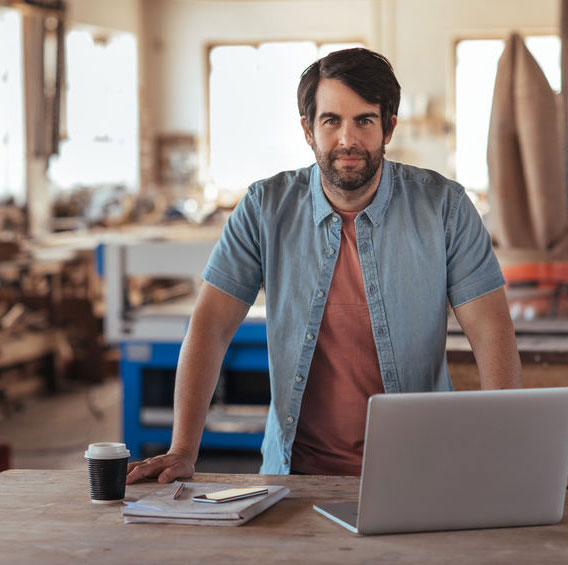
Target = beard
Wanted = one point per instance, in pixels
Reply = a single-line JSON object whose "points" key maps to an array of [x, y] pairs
{"points": [[350, 178]]}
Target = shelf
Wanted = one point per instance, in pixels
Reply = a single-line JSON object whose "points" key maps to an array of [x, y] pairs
{"points": [[227, 419]]}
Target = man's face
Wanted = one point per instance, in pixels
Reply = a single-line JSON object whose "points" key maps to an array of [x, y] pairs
{"points": [[347, 136]]}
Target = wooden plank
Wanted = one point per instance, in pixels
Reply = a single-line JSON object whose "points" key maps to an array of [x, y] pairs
{"points": [[465, 376], [24, 347], [532, 349], [53, 521]]}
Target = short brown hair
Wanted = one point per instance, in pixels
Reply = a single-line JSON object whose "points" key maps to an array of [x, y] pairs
{"points": [[365, 72]]}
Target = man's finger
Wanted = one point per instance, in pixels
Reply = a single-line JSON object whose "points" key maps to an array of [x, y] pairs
{"points": [[145, 470], [176, 471], [134, 464]]}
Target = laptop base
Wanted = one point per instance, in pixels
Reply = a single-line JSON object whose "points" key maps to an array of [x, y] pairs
{"points": [[344, 513]]}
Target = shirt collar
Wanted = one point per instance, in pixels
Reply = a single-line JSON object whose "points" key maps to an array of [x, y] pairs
{"points": [[374, 211]]}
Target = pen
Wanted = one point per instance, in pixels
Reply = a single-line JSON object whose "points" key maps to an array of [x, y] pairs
{"points": [[178, 490]]}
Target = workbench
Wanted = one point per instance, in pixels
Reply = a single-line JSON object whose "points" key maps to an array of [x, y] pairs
{"points": [[48, 518]]}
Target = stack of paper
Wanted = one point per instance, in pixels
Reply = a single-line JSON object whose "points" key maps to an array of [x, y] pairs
{"points": [[160, 506]]}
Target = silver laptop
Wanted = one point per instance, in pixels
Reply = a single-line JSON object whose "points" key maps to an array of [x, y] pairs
{"points": [[460, 460]]}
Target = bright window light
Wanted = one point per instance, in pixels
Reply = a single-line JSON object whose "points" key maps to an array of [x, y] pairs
{"points": [[12, 134], [102, 113], [475, 80], [255, 128]]}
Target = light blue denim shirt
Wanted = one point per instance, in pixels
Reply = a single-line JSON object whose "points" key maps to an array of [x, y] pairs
{"points": [[420, 242]]}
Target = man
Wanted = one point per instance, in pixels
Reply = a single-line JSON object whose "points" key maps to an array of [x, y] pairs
{"points": [[358, 257]]}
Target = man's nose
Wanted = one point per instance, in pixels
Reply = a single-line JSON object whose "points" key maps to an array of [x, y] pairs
{"points": [[347, 135]]}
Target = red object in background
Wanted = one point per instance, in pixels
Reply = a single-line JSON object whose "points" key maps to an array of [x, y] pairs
{"points": [[5, 452], [548, 274], [538, 289]]}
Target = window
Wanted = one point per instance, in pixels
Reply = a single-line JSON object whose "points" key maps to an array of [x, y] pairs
{"points": [[476, 69], [254, 126], [12, 135], [102, 113]]}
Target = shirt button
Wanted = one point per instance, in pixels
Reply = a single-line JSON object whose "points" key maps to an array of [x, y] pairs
{"points": [[381, 332], [331, 251], [290, 419], [320, 293], [388, 375], [299, 378], [334, 219], [364, 247], [310, 336], [372, 289]]}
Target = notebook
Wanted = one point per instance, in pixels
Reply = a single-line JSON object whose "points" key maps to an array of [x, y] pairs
{"points": [[460, 460], [160, 506]]}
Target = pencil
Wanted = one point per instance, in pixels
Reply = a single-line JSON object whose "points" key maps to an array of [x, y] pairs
{"points": [[178, 490]]}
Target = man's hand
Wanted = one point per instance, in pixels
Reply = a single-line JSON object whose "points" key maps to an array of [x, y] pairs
{"points": [[166, 468]]}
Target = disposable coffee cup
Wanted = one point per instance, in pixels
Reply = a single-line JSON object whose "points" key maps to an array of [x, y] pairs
{"points": [[108, 463]]}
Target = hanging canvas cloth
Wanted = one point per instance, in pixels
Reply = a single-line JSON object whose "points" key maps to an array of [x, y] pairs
{"points": [[525, 155]]}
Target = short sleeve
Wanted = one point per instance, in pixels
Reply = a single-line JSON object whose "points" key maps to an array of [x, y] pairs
{"points": [[234, 265], [472, 267]]}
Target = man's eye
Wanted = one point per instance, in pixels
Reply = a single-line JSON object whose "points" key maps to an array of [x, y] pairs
{"points": [[365, 121], [330, 122]]}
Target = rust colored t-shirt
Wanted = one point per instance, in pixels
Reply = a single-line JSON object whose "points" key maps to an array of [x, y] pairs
{"points": [[343, 374]]}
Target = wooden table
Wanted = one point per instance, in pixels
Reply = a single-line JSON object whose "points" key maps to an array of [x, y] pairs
{"points": [[47, 517]]}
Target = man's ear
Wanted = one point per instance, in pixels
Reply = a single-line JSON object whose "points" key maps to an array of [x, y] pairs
{"points": [[388, 137], [307, 132]]}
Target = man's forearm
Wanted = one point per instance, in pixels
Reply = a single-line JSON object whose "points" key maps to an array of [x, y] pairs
{"points": [[490, 331], [498, 360], [197, 374], [212, 326]]}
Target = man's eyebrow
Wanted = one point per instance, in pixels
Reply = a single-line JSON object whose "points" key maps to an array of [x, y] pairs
{"points": [[367, 115], [327, 115], [324, 115]]}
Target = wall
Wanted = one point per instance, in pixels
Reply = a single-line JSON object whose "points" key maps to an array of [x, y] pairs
{"points": [[417, 35], [425, 32], [118, 15], [179, 31]]}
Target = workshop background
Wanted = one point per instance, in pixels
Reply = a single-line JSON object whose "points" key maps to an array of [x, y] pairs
{"points": [[129, 130]]}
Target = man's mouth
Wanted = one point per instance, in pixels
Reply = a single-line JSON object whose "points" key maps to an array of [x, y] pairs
{"points": [[348, 159]]}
